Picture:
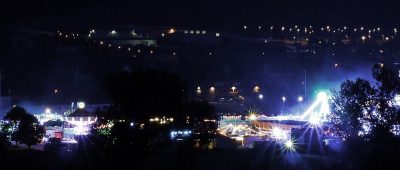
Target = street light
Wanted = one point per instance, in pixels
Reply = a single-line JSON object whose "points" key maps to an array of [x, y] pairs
{"points": [[198, 90], [212, 90], [300, 99], [256, 89], [363, 38], [260, 96], [283, 104], [233, 89]]}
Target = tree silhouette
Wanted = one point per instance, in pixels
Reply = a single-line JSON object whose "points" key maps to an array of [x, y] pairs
{"points": [[351, 104], [361, 109], [26, 127], [389, 86], [15, 114]]}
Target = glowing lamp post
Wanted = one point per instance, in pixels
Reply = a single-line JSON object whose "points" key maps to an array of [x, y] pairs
{"points": [[113, 32], [256, 89], [233, 88], [171, 31], [283, 104], [212, 90], [300, 99], [198, 91], [260, 96]]}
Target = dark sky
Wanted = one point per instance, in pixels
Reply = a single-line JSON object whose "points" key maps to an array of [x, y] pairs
{"points": [[201, 13]]}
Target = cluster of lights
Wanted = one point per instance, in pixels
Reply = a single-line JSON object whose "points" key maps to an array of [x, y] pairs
{"points": [[48, 115], [81, 124], [112, 33], [326, 29], [232, 117], [180, 134], [209, 120], [279, 134], [233, 89], [162, 120], [366, 33], [252, 117], [195, 32]]}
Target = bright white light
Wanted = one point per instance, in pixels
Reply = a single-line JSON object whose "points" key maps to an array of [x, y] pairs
{"points": [[363, 38], [278, 133], [252, 117], [322, 101], [260, 96], [48, 111], [131, 124], [300, 99], [81, 130], [283, 98], [289, 144], [314, 120], [81, 105], [322, 96]]}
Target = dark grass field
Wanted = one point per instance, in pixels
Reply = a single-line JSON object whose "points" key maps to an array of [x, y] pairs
{"points": [[171, 158]]}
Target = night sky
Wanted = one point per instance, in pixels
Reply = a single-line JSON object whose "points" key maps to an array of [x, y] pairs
{"points": [[205, 13]]}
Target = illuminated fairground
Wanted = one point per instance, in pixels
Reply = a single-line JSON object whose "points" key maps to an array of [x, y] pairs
{"points": [[78, 121], [257, 127]]}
